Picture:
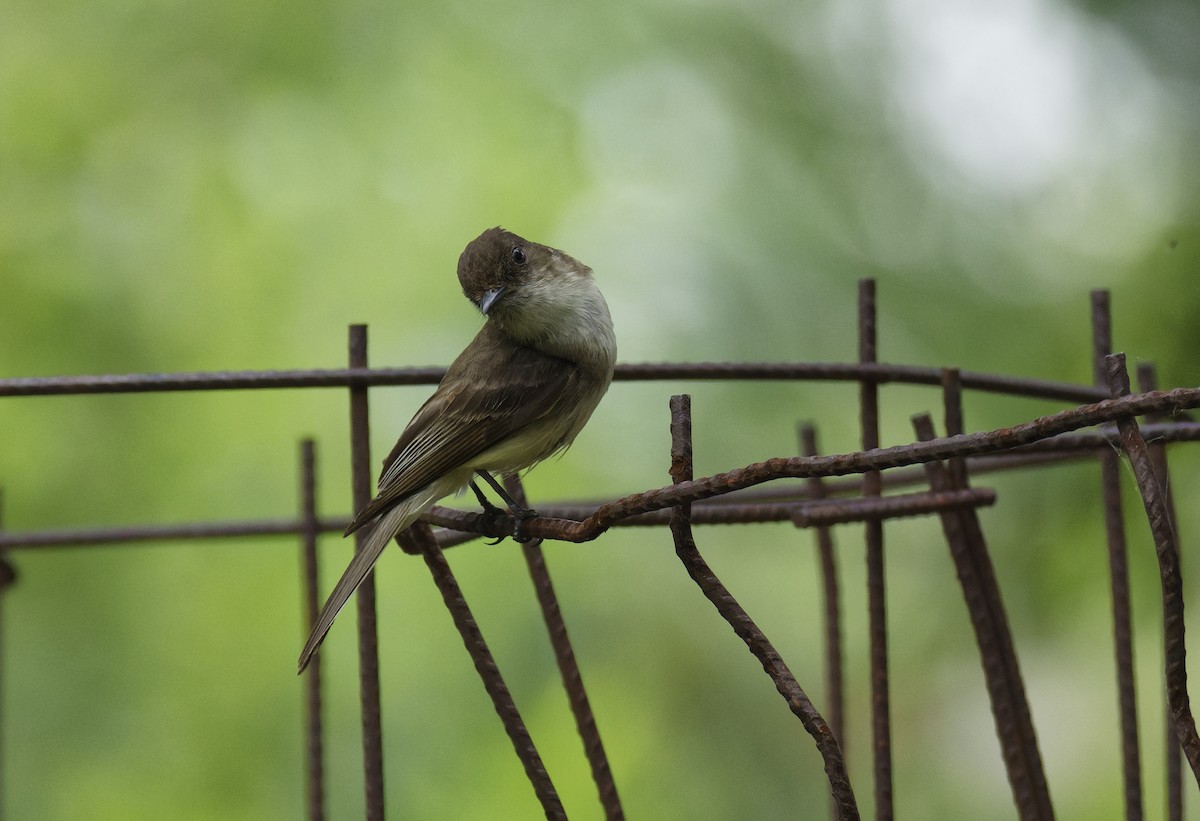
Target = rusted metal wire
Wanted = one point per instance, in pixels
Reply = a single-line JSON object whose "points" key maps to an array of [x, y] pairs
{"points": [[1147, 380], [1107, 438], [7, 577], [1002, 675], [879, 373], [1118, 576], [99, 536], [489, 672], [8, 573], [802, 467], [982, 446], [740, 496], [314, 771], [568, 667], [217, 381], [735, 507], [827, 562], [1062, 448], [954, 422], [805, 513], [743, 625], [881, 710], [633, 372], [368, 633], [1168, 562], [876, 509]]}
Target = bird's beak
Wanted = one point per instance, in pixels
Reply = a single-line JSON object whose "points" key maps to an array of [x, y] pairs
{"points": [[489, 299]]}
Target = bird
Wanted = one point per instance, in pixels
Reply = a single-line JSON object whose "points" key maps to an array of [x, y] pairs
{"points": [[518, 393]]}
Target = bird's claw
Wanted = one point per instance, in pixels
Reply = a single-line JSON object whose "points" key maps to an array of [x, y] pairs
{"points": [[490, 512], [519, 518], [519, 513]]}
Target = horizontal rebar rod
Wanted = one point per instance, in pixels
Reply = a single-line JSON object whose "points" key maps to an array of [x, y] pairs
{"points": [[800, 467], [878, 508], [754, 504], [633, 372], [99, 536], [803, 513]]}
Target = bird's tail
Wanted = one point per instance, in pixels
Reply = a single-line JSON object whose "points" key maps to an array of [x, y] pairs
{"points": [[385, 529]]}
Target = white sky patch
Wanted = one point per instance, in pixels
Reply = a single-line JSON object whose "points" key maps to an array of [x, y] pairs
{"points": [[1030, 104], [995, 89]]}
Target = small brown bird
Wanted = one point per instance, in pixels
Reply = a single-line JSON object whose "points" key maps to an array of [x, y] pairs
{"points": [[520, 392]]}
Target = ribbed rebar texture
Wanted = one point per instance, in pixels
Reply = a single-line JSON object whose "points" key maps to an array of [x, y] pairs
{"points": [[634, 372], [314, 771], [1147, 379], [881, 709], [489, 672], [835, 694], [743, 625], [1168, 564], [1006, 690], [368, 634], [568, 666], [1118, 577], [929, 476]]}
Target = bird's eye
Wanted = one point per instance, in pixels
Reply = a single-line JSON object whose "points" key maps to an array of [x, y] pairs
{"points": [[518, 256]]}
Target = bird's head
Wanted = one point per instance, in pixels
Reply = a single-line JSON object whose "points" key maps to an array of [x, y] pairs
{"points": [[536, 295], [495, 268]]}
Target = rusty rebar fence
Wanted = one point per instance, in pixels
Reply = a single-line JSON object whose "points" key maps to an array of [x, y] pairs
{"points": [[930, 476]]}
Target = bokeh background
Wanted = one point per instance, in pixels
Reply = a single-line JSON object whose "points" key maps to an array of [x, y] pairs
{"points": [[214, 186]]}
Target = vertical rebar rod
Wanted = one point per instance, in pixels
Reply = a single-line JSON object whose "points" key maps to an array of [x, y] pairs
{"points": [[1148, 381], [1167, 553], [368, 640], [955, 423], [745, 628], [489, 673], [993, 636], [881, 721], [309, 529], [6, 578], [834, 681], [1118, 569], [568, 666]]}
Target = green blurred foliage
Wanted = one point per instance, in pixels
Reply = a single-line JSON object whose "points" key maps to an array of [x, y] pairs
{"points": [[227, 186]]}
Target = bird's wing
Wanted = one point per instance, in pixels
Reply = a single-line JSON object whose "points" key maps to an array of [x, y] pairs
{"points": [[481, 401], [478, 405]]}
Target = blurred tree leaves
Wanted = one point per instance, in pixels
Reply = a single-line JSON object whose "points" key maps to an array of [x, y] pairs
{"points": [[227, 186]]}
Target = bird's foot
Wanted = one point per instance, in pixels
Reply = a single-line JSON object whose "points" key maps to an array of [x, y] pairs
{"points": [[519, 512], [489, 509], [520, 517]]}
